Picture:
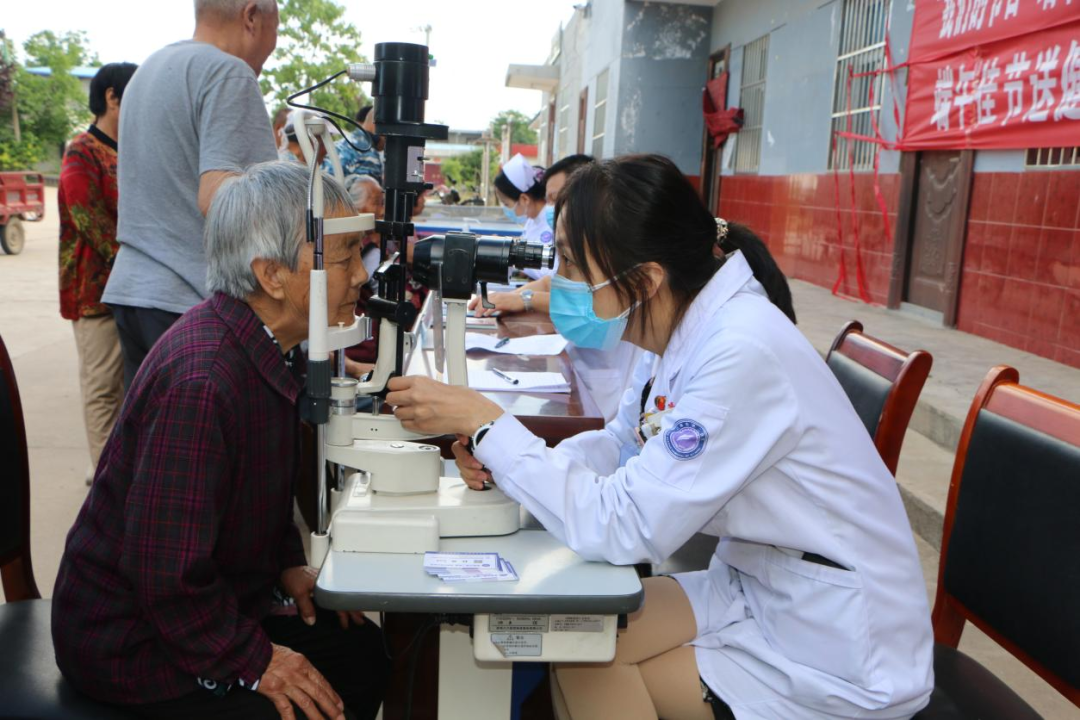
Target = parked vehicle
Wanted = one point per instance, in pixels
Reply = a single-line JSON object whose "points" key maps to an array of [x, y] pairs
{"points": [[22, 198]]}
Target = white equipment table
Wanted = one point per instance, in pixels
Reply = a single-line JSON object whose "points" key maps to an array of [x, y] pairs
{"points": [[554, 580]]}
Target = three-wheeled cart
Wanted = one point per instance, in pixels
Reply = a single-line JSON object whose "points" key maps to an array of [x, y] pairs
{"points": [[22, 198]]}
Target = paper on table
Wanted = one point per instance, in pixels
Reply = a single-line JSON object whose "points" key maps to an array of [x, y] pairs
{"points": [[542, 382], [529, 345]]}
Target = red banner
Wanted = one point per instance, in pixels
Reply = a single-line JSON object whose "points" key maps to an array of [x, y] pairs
{"points": [[994, 74]]}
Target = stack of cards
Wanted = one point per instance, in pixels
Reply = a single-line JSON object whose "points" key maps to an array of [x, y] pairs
{"points": [[469, 567]]}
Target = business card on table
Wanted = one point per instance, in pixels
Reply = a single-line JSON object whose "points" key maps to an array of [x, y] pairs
{"points": [[469, 567], [461, 560]]}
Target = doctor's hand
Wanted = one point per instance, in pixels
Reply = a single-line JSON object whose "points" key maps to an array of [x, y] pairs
{"points": [[504, 302], [291, 679], [472, 470], [428, 406]]}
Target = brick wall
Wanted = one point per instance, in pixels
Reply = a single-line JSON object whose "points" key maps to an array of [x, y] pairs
{"points": [[1020, 283], [1021, 277], [796, 216]]}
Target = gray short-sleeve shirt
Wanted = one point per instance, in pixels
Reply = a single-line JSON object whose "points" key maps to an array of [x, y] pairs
{"points": [[189, 109]]}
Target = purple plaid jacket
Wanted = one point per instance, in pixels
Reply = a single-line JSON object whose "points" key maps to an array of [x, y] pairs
{"points": [[174, 556]]}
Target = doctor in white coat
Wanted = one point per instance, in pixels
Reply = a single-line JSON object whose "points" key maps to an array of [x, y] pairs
{"points": [[813, 605]]}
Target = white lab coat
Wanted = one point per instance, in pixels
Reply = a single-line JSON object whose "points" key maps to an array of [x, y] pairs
{"points": [[537, 230], [764, 451], [605, 373]]}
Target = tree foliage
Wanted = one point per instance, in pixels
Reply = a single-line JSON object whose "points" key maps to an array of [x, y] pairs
{"points": [[466, 170], [520, 132], [50, 108], [314, 42]]}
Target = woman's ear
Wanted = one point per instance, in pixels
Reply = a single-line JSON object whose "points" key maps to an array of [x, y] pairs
{"points": [[271, 277], [111, 101], [656, 276]]}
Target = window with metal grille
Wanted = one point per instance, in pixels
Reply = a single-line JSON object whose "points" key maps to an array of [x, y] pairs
{"points": [[1053, 157], [752, 101], [564, 125], [858, 83], [599, 115]]}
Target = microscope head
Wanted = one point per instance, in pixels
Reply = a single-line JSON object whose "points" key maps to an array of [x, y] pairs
{"points": [[456, 262]]}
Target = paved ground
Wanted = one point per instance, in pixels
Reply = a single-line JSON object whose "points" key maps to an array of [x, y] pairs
{"points": [[43, 351]]}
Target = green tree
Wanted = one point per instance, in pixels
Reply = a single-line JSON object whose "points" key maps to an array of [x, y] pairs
{"points": [[520, 132], [466, 169], [48, 109], [314, 42]]}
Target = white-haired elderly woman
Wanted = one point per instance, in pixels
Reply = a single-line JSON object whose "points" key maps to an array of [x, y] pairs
{"points": [[184, 591]]}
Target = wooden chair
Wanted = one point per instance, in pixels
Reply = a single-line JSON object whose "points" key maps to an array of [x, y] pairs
{"points": [[30, 683], [1010, 551], [883, 384]]}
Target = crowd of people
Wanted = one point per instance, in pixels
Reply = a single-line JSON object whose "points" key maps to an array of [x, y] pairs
{"points": [[184, 590]]}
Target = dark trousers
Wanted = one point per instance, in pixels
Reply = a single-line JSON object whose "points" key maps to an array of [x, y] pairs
{"points": [[139, 329], [353, 661]]}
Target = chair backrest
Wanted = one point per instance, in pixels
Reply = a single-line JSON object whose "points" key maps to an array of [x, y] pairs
{"points": [[1010, 551], [16, 572], [883, 384]]}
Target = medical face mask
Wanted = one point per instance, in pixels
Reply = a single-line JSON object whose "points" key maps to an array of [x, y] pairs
{"points": [[549, 216], [572, 313]]}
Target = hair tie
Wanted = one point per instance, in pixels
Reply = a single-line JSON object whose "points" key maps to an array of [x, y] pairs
{"points": [[721, 230]]}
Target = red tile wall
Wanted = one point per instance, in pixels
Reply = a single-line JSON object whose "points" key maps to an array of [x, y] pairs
{"points": [[796, 216], [1021, 278], [1020, 283]]}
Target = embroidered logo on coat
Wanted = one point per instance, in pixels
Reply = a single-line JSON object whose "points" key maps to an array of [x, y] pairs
{"points": [[686, 439], [546, 237]]}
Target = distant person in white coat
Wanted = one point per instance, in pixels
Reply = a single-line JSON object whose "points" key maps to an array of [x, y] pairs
{"points": [[520, 189], [813, 605], [604, 373]]}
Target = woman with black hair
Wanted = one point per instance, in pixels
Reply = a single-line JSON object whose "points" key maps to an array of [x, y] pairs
{"points": [[87, 197], [813, 605], [520, 188]]}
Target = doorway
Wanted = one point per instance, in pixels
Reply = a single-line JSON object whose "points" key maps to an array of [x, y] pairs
{"points": [[711, 157], [935, 189]]}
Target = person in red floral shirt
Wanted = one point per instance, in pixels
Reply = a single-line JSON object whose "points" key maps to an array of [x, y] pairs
{"points": [[87, 199]]}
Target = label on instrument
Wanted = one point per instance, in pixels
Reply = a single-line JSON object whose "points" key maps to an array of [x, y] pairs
{"points": [[519, 644], [577, 623], [519, 623]]}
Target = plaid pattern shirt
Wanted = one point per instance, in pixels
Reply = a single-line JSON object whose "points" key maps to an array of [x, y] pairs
{"points": [[173, 559]]}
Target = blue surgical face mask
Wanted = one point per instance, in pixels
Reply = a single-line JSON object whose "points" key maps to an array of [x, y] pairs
{"points": [[549, 216], [572, 313], [513, 216]]}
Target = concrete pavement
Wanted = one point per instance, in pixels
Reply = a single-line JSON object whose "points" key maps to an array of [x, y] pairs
{"points": [[43, 351]]}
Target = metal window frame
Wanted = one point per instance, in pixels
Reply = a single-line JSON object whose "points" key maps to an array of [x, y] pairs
{"points": [[597, 105], [861, 34], [748, 140], [1045, 162]]}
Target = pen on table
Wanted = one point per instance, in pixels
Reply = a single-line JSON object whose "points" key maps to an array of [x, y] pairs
{"points": [[502, 343], [504, 376]]}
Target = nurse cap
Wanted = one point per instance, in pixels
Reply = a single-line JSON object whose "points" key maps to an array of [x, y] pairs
{"points": [[519, 172]]}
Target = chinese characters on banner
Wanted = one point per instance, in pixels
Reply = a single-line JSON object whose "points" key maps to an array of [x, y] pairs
{"points": [[994, 74]]}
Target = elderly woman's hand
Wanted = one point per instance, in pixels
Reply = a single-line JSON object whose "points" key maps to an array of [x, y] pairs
{"points": [[427, 406]]}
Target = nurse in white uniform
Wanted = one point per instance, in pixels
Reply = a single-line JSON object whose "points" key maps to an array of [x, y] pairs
{"points": [[813, 605], [520, 188], [604, 373]]}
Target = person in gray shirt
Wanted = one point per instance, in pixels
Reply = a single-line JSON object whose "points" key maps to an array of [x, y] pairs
{"points": [[193, 116]]}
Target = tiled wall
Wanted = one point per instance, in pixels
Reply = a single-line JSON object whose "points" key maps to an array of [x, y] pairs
{"points": [[1021, 278], [796, 216]]}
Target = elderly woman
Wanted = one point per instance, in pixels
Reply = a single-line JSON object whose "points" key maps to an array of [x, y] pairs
{"points": [[184, 590]]}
